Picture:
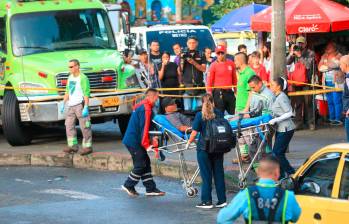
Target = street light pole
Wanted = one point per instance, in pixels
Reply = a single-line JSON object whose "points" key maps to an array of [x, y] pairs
{"points": [[278, 39]]}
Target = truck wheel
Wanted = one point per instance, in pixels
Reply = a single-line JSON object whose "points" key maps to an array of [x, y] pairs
{"points": [[123, 122], [13, 128]]}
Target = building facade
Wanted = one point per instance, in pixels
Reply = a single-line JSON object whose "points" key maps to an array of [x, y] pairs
{"points": [[164, 10]]}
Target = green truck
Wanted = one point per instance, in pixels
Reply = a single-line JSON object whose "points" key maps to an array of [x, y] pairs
{"points": [[37, 39]]}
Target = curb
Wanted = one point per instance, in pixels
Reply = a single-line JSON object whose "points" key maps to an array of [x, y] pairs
{"points": [[104, 161]]}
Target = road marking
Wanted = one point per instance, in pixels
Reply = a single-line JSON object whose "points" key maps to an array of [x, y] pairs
{"points": [[24, 181], [71, 194]]}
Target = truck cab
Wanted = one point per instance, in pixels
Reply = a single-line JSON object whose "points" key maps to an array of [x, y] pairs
{"points": [[37, 39]]}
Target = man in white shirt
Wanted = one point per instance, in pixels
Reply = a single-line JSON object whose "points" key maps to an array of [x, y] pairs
{"points": [[77, 97]]}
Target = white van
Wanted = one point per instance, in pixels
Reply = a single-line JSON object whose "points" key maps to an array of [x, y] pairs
{"points": [[168, 35]]}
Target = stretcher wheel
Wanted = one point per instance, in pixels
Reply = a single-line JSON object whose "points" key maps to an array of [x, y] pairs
{"points": [[192, 192]]}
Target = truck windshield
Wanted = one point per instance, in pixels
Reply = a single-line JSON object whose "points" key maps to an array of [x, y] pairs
{"points": [[61, 30], [167, 38]]}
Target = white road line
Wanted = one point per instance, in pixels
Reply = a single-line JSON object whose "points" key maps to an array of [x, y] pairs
{"points": [[71, 194], [24, 181]]}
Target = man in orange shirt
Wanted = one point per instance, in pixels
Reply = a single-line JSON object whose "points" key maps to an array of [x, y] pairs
{"points": [[222, 73]]}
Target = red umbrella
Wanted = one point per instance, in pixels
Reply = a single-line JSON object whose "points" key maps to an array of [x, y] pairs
{"points": [[306, 16]]}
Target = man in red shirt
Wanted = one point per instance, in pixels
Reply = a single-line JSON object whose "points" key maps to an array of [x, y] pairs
{"points": [[259, 68], [222, 73]]}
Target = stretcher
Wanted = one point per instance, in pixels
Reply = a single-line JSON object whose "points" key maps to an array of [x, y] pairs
{"points": [[172, 141], [254, 131]]}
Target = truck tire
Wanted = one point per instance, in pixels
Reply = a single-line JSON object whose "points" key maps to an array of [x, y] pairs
{"points": [[123, 122], [14, 130]]}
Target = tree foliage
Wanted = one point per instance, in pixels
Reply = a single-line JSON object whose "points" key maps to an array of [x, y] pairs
{"points": [[226, 6]]}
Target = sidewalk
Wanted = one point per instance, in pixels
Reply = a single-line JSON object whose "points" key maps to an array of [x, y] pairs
{"points": [[110, 154]]}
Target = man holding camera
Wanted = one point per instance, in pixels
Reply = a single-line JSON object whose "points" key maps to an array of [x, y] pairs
{"points": [[300, 53], [193, 64]]}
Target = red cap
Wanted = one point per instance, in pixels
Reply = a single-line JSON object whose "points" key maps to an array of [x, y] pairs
{"points": [[220, 48]]}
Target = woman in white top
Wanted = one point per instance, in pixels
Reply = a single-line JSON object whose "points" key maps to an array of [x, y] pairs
{"points": [[332, 76], [282, 113]]}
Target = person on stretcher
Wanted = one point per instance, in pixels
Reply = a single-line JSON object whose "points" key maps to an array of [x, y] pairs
{"points": [[258, 104], [178, 120]]}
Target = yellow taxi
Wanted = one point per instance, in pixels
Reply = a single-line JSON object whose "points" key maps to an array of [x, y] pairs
{"points": [[321, 186]]}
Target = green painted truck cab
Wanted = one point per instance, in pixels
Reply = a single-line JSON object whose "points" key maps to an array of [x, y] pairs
{"points": [[37, 39]]}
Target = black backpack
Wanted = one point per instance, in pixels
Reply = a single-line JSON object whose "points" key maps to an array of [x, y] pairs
{"points": [[219, 136]]}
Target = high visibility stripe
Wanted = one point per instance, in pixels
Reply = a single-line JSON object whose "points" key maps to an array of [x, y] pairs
{"points": [[148, 179], [72, 141], [132, 178], [249, 207], [283, 220], [133, 174]]}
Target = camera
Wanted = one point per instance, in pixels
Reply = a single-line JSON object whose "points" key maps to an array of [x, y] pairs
{"points": [[297, 48], [186, 54]]}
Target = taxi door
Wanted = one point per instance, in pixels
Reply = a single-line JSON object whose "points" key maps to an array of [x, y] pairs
{"points": [[316, 188]]}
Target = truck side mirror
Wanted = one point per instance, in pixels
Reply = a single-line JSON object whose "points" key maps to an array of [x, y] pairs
{"points": [[138, 49], [125, 20]]}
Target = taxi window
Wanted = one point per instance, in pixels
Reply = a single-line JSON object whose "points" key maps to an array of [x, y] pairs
{"points": [[344, 187], [318, 179]]}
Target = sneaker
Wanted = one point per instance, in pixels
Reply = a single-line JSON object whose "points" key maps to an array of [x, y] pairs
{"points": [[130, 191], [206, 205], [336, 123], [73, 149], [85, 151], [155, 192], [221, 204]]}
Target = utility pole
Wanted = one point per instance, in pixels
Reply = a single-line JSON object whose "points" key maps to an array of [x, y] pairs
{"points": [[278, 39], [178, 10]]}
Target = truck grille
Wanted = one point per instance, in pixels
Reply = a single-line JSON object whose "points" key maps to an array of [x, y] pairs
{"points": [[98, 80]]}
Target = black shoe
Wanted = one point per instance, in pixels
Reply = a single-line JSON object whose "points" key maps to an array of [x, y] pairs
{"points": [[155, 192], [206, 205], [221, 204], [130, 191], [336, 123]]}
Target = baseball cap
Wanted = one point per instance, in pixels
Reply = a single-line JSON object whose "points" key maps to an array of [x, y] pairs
{"points": [[167, 101], [220, 48], [300, 39]]}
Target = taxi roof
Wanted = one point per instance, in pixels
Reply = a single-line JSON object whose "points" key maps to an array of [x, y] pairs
{"points": [[340, 146]]}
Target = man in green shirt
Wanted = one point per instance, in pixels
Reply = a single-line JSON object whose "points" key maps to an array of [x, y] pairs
{"points": [[243, 90], [244, 74], [77, 97]]}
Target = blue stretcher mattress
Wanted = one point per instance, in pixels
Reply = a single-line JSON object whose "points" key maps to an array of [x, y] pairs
{"points": [[162, 120], [248, 122]]}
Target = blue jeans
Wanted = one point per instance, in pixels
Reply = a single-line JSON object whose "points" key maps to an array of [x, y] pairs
{"points": [[334, 101], [211, 165], [189, 104], [346, 125], [282, 140]]}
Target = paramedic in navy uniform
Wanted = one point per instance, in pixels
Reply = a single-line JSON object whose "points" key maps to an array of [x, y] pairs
{"points": [[211, 165]]}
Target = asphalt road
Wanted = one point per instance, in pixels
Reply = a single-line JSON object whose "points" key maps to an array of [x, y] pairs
{"points": [[70, 196]]}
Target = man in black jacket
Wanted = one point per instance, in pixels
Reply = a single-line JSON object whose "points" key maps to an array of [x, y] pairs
{"points": [[344, 65]]}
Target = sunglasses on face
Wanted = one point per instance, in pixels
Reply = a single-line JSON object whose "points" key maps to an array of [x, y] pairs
{"points": [[220, 53]]}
